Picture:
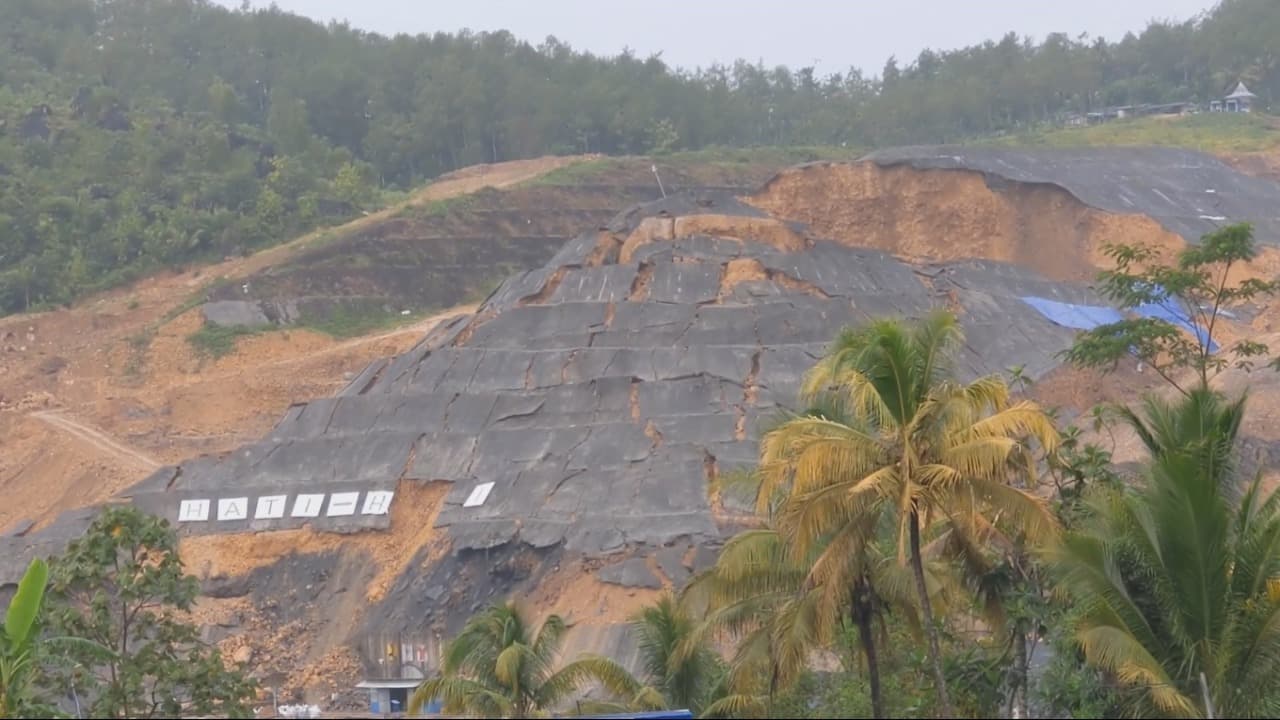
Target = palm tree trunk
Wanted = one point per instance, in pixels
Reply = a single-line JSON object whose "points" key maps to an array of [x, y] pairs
{"points": [[926, 617], [1018, 695], [862, 611]]}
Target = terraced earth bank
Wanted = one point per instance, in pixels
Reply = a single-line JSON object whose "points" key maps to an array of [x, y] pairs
{"points": [[563, 441]]}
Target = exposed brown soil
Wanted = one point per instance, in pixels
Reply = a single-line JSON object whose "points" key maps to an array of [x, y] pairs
{"points": [[413, 517], [574, 593], [661, 229], [941, 215]]}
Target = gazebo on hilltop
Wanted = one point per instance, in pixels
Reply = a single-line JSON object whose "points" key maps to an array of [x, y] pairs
{"points": [[1240, 100]]}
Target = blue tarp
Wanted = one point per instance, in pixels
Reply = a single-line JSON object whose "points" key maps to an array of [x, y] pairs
{"points": [[1171, 313], [1088, 317], [1079, 317]]}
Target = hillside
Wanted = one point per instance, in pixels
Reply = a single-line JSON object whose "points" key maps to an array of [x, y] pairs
{"points": [[94, 397], [601, 391]]}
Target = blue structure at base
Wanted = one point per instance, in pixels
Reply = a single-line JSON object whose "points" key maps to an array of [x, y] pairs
{"points": [[652, 715]]}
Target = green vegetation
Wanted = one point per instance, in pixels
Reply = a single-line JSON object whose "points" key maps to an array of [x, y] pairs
{"points": [[215, 341], [117, 600], [576, 173], [143, 134], [348, 320], [18, 638], [498, 666], [1196, 288], [1208, 132]]}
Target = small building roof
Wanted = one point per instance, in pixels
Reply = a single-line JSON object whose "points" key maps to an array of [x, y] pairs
{"points": [[1240, 92]]}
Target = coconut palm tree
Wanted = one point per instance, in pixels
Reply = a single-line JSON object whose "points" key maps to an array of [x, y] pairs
{"points": [[755, 596], [910, 439], [1176, 580], [779, 609], [687, 674], [499, 667]]}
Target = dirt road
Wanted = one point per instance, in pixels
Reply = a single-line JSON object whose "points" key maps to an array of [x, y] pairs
{"points": [[95, 438]]}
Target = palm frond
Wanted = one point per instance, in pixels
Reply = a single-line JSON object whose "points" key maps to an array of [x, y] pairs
{"points": [[459, 695], [1119, 652], [607, 673]]}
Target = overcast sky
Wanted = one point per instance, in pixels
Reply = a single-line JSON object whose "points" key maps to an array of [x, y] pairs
{"points": [[829, 34]]}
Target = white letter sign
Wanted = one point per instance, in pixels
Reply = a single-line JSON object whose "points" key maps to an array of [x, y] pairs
{"points": [[193, 511], [270, 507], [377, 502], [478, 495], [307, 505], [341, 504], [233, 508]]}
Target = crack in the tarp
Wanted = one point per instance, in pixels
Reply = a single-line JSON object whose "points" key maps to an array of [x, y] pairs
{"points": [[272, 451], [517, 415], [329, 421], [177, 473], [612, 360], [568, 455], [382, 367], [413, 454], [444, 418], [548, 287], [564, 369], [474, 370], [566, 476]]}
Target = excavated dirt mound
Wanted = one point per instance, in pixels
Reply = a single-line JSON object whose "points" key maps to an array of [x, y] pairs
{"points": [[945, 215]]}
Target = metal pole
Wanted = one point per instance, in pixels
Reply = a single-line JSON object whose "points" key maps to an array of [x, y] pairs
{"points": [[1208, 702], [654, 167]]}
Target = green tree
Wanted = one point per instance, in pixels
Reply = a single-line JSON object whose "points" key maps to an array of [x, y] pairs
{"points": [[352, 186], [499, 667], [1198, 287], [223, 102], [931, 447], [839, 549], [1176, 580], [122, 587]]}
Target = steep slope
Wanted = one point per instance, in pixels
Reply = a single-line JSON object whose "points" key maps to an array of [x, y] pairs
{"points": [[562, 442], [119, 366]]}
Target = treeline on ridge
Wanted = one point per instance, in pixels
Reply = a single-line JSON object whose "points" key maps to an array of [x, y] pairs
{"points": [[140, 134]]}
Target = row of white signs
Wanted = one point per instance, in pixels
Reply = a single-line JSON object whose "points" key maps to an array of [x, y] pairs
{"points": [[272, 507]]}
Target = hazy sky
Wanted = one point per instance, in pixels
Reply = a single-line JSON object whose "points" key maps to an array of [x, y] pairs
{"points": [[829, 34]]}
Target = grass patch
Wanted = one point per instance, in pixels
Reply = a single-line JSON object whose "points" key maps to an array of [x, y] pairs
{"points": [[1208, 132], [215, 341], [443, 206], [574, 174], [348, 321]]}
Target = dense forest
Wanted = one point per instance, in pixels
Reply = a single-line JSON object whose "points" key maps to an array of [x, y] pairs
{"points": [[138, 134]]}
